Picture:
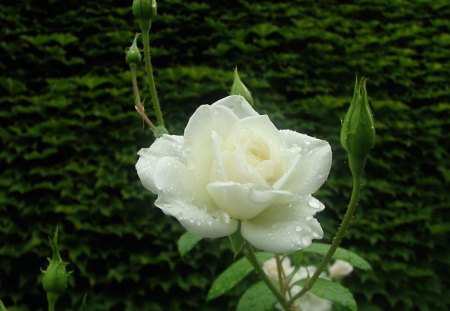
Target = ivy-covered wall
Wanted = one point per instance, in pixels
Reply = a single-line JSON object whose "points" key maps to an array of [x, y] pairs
{"points": [[69, 137]]}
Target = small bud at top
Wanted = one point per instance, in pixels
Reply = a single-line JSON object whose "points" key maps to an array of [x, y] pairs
{"points": [[144, 11], [358, 132], [133, 55], [239, 88], [55, 276]]}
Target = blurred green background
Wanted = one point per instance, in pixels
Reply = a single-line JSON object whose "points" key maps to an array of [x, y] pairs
{"points": [[69, 137]]}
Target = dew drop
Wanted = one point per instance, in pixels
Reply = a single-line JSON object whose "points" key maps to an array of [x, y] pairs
{"points": [[308, 218], [314, 203], [316, 235], [305, 240], [298, 229], [307, 142]]}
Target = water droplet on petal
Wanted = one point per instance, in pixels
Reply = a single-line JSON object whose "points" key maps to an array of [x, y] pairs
{"points": [[306, 240], [308, 218], [314, 203], [298, 228]]}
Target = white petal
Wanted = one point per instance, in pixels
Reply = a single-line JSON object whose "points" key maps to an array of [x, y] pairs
{"points": [[310, 163], [197, 219], [259, 127], [198, 143], [178, 197], [218, 171], [239, 171], [236, 103], [166, 146], [245, 201], [285, 228]]}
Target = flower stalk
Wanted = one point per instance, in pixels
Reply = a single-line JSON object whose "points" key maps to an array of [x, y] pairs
{"points": [[137, 100], [151, 79], [250, 255]]}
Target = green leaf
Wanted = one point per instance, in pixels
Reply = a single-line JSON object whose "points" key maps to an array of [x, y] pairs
{"points": [[332, 291], [237, 242], [343, 254], [233, 275], [258, 297], [186, 242]]}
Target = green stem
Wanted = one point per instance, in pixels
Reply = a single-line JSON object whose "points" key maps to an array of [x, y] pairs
{"points": [[250, 255], [336, 241], [150, 78], [280, 273], [137, 99], [51, 299]]}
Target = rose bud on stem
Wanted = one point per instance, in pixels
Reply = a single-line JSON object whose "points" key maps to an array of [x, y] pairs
{"points": [[133, 58], [55, 276], [358, 131], [357, 138], [145, 12]]}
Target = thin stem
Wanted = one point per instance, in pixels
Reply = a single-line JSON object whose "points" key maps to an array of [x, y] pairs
{"points": [[51, 299], [336, 241], [150, 78], [137, 99], [250, 254], [280, 274]]}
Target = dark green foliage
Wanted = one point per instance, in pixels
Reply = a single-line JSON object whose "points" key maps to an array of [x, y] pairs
{"points": [[69, 137]]}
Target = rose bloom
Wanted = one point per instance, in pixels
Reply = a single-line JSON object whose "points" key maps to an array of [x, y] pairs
{"points": [[340, 269], [309, 301], [233, 165], [270, 267]]}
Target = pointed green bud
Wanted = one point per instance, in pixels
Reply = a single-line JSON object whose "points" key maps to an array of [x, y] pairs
{"points": [[133, 55], [239, 88], [144, 11], [55, 276], [358, 131]]}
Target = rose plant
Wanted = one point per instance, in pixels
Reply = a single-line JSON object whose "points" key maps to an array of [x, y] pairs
{"points": [[234, 174]]}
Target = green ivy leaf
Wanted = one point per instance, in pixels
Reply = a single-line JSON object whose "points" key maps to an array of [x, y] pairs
{"points": [[258, 297], [343, 254], [233, 275], [332, 291], [186, 242]]}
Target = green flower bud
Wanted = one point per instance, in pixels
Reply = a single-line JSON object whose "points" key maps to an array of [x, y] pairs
{"points": [[144, 11], [358, 132], [239, 88], [133, 55], [55, 276]]}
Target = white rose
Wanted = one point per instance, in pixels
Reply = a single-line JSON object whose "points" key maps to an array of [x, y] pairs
{"points": [[271, 270], [233, 164], [309, 301], [339, 269]]}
